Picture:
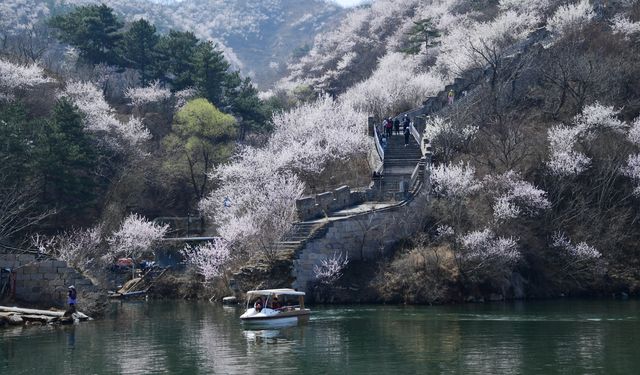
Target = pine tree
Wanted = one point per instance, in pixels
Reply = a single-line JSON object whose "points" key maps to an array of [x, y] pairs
{"points": [[245, 104], [176, 62], [67, 160], [138, 48], [15, 143], [211, 72], [422, 33], [94, 30]]}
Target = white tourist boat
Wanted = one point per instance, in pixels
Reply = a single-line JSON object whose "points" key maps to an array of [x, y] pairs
{"points": [[275, 307]]}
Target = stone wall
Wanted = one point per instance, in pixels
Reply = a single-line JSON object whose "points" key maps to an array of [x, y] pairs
{"points": [[361, 236], [321, 205], [45, 282]]}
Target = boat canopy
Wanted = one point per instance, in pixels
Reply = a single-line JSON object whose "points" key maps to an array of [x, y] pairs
{"points": [[280, 292]]}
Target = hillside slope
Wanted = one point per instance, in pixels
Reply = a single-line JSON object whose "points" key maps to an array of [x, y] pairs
{"points": [[257, 36]]}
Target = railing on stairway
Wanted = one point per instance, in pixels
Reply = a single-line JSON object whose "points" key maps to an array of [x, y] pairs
{"points": [[376, 137], [416, 134], [416, 174]]}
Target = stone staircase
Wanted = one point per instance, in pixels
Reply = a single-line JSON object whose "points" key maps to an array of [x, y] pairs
{"points": [[299, 234], [398, 165]]}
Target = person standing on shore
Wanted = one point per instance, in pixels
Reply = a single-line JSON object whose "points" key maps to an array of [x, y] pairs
{"points": [[72, 296]]}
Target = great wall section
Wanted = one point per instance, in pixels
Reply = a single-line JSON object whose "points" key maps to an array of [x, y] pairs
{"points": [[366, 223]]}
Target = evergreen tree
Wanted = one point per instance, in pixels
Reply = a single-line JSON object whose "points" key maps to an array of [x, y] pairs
{"points": [[212, 71], [137, 48], [94, 30], [422, 32], [176, 63], [15, 143], [245, 104], [67, 160]]}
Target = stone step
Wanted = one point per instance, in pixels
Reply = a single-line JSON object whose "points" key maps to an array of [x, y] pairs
{"points": [[401, 161], [402, 151], [403, 155]]}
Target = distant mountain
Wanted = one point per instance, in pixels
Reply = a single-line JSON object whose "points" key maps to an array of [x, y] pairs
{"points": [[257, 36]]}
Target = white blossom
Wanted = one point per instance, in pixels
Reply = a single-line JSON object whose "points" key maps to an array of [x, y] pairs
{"points": [[444, 231], [396, 84], [632, 170], [183, 96], [266, 95], [504, 209], [101, 118], [14, 76], [568, 163], [466, 41], [485, 247], [514, 196], [253, 209], [150, 94], [80, 248], [135, 236], [581, 251], [307, 137], [570, 17], [259, 213], [634, 132], [330, 269], [598, 117], [594, 118], [454, 181], [445, 138], [623, 25], [526, 7], [564, 160], [209, 259]]}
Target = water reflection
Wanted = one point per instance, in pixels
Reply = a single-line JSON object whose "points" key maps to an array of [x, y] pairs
{"points": [[192, 338], [71, 337]]}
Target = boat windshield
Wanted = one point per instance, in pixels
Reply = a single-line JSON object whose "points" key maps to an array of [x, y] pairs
{"points": [[285, 298]]}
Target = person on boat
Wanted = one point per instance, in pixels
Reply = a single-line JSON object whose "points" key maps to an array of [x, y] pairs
{"points": [[275, 304], [72, 296], [259, 304]]}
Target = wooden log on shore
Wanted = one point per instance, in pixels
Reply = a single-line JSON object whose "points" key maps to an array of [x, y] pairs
{"points": [[39, 318], [19, 310], [49, 313]]}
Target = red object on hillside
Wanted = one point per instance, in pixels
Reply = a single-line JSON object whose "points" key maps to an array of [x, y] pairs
{"points": [[124, 262]]}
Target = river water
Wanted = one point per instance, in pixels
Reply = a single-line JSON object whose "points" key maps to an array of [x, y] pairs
{"points": [[555, 337]]}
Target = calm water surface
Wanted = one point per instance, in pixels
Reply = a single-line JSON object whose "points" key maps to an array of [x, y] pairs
{"points": [[560, 337]]}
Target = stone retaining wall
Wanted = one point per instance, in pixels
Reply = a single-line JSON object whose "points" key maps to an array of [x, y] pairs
{"points": [[361, 236], [321, 205], [45, 282]]}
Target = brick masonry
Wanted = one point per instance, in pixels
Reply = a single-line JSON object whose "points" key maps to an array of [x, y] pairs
{"points": [[45, 282], [361, 236]]}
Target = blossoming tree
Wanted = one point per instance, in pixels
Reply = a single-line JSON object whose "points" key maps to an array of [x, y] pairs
{"points": [[135, 236]]}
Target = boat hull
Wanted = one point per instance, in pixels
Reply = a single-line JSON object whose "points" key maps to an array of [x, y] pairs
{"points": [[273, 317]]}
